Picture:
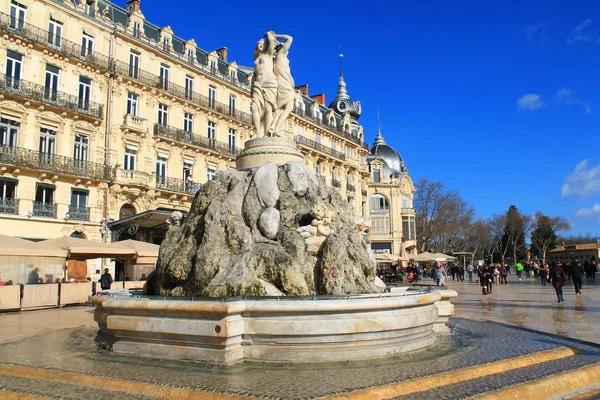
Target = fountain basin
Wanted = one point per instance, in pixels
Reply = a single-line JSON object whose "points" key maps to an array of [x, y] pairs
{"points": [[263, 329]]}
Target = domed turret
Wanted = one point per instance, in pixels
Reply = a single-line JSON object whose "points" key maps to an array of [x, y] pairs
{"points": [[342, 103], [393, 163]]}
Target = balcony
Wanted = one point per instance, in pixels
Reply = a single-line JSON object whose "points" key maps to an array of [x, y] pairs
{"points": [[177, 185], [181, 92], [179, 135], [133, 123], [302, 114], [301, 140], [9, 206], [45, 210], [132, 177], [33, 91], [336, 184], [79, 213], [407, 211], [350, 188], [35, 160], [61, 45]]}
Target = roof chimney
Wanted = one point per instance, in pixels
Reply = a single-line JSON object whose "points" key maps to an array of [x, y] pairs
{"points": [[303, 89], [319, 97]]}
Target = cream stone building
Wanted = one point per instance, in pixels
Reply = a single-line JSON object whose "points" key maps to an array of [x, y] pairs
{"points": [[110, 123]]}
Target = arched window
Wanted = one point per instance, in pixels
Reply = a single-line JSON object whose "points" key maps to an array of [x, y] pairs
{"points": [[406, 202], [127, 210], [317, 115], [78, 235], [380, 214]]}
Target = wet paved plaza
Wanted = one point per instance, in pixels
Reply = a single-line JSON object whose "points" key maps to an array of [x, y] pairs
{"points": [[60, 342]]}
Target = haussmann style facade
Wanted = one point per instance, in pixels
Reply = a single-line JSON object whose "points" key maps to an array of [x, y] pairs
{"points": [[110, 123]]}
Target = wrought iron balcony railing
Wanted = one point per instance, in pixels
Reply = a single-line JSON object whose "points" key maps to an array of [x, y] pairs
{"points": [[35, 92], [336, 184], [182, 136], [177, 185], [36, 160], [319, 147], [46, 210], [350, 188], [334, 128], [57, 43], [79, 213], [176, 90], [9, 206]]}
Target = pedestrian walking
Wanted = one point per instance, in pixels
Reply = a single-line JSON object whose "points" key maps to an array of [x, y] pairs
{"points": [[543, 272], [593, 267], [496, 274], [519, 270], [503, 271], [470, 270], [440, 274], [559, 277], [576, 272]]}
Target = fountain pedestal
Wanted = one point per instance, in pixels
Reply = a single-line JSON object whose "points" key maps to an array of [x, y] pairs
{"points": [[258, 151]]}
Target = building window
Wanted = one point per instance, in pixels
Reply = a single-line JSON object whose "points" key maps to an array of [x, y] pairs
{"points": [[232, 104], [9, 132], [317, 115], [87, 45], [334, 174], [167, 44], [212, 130], [130, 158], [299, 131], [213, 67], [44, 206], [188, 122], [232, 140], [78, 209], [51, 82], [137, 29], [189, 87], [85, 92], [318, 138], [406, 202], [164, 76], [8, 202], [18, 13], [14, 67], [134, 64], [190, 56], [188, 168], [363, 209], [212, 96], [47, 147], [318, 168], [163, 114], [380, 214], [55, 29], [80, 151], [161, 169], [211, 173], [376, 175], [132, 104], [300, 108], [408, 228], [333, 145], [349, 152]]}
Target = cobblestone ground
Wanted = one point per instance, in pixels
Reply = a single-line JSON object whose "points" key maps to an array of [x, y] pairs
{"points": [[34, 339]]}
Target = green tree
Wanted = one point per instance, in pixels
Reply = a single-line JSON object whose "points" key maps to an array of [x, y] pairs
{"points": [[515, 232], [544, 237]]}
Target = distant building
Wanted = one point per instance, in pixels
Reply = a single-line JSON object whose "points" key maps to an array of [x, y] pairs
{"points": [[570, 252]]}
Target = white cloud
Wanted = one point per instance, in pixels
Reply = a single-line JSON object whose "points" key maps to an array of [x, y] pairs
{"points": [[593, 212], [530, 101], [583, 181], [536, 31], [583, 32], [569, 98]]}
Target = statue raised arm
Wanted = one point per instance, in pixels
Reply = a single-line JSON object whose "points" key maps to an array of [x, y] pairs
{"points": [[264, 85], [285, 83]]}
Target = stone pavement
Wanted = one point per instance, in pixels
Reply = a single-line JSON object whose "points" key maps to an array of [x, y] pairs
{"points": [[528, 304]]}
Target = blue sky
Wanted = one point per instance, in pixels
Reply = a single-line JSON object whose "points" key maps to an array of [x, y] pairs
{"points": [[498, 99]]}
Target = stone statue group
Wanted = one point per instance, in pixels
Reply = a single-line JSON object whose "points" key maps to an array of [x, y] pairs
{"points": [[272, 84]]}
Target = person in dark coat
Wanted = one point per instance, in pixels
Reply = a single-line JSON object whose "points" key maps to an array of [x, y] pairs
{"points": [[105, 280], [559, 277], [576, 272]]}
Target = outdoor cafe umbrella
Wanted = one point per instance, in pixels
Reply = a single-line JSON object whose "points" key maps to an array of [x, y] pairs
{"points": [[390, 258], [147, 253], [426, 256], [13, 246], [443, 257], [83, 249]]}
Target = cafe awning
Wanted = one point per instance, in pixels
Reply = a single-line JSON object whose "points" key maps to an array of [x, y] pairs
{"points": [[443, 257], [426, 256], [83, 249], [13, 246], [146, 253], [389, 258]]}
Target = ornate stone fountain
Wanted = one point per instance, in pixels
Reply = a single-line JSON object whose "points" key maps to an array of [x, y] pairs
{"points": [[268, 265]]}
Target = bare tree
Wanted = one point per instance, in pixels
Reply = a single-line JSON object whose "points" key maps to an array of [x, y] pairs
{"points": [[442, 216], [497, 225]]}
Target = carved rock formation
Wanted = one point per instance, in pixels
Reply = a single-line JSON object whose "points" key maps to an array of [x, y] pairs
{"points": [[240, 238]]}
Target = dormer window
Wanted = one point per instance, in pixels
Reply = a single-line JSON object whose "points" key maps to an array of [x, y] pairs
{"points": [[317, 115], [137, 29], [190, 56], [300, 107], [166, 43]]}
